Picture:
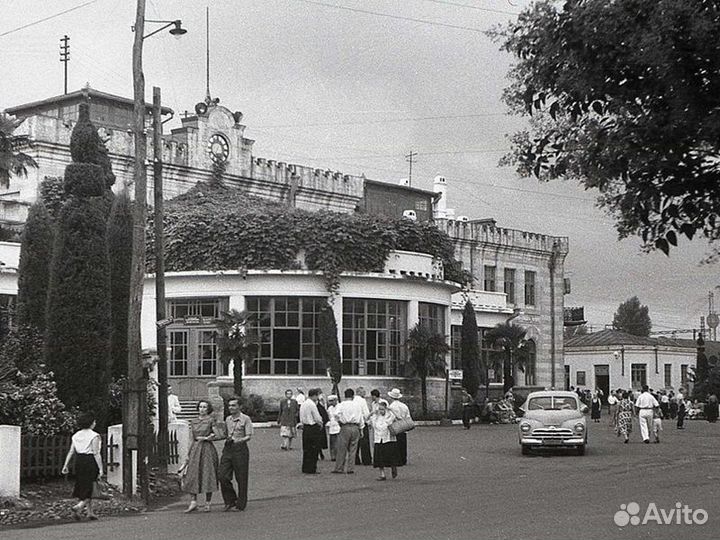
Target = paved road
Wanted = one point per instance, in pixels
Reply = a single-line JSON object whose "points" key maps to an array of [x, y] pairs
{"points": [[460, 485]]}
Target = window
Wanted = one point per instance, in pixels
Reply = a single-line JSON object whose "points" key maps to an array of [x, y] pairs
{"points": [[638, 375], [191, 337], [456, 346], [509, 285], [432, 316], [580, 378], [489, 278], [373, 340], [684, 375], [567, 377], [529, 288], [668, 375], [530, 363], [286, 328], [491, 358]]}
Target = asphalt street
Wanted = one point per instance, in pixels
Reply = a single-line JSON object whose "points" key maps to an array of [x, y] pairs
{"points": [[459, 485]]}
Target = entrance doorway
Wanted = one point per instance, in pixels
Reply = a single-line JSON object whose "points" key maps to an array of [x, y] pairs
{"points": [[602, 380]]}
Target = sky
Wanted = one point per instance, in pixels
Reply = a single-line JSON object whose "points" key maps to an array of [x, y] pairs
{"points": [[355, 86]]}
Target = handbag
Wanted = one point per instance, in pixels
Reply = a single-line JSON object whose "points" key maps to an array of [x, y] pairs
{"points": [[100, 491], [401, 425]]}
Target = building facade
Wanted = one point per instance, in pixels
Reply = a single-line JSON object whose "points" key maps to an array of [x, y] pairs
{"points": [[516, 275]]}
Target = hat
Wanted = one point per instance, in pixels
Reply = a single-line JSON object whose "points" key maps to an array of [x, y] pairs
{"points": [[395, 393], [332, 397]]}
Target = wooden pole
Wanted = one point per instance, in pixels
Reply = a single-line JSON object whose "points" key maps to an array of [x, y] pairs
{"points": [[160, 283]]}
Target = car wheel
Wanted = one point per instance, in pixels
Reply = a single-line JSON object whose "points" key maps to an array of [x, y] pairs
{"points": [[524, 449], [581, 450]]}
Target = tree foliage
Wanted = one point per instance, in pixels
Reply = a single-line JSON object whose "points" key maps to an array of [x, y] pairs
{"points": [[625, 97], [427, 356], [120, 245], [214, 227], [470, 350], [34, 269], [78, 312], [329, 348], [237, 343], [633, 318], [52, 194], [12, 162], [511, 339]]}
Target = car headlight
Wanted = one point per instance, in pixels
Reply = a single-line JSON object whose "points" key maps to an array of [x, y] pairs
{"points": [[525, 427], [579, 427]]}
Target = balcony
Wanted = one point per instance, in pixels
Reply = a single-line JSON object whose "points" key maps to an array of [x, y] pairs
{"points": [[495, 302], [414, 265]]}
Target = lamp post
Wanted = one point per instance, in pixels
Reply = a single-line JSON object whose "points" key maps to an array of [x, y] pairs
{"points": [[134, 408]]}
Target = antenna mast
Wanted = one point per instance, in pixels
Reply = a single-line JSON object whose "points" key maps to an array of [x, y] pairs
{"points": [[207, 54]]}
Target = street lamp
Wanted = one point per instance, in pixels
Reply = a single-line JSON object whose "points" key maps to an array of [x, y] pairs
{"points": [[133, 429]]}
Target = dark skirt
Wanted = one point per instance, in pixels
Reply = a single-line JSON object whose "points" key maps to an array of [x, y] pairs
{"points": [[595, 414], [386, 455], [86, 473]]}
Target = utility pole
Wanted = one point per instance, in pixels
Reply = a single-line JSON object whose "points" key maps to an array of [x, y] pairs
{"points": [[410, 158], [133, 422], [160, 282], [65, 57]]}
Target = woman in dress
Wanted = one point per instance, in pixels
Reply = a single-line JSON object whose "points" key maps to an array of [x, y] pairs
{"points": [[595, 407], [625, 416], [86, 444], [400, 411], [200, 469], [287, 420], [385, 452]]}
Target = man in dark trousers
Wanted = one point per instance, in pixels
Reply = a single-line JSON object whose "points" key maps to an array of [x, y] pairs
{"points": [[235, 457], [362, 454], [312, 426]]}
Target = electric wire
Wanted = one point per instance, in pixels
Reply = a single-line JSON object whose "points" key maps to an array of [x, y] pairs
{"points": [[49, 17]]}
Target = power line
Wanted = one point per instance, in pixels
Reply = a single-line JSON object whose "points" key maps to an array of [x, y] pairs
{"points": [[397, 17], [490, 10], [47, 18], [386, 121]]}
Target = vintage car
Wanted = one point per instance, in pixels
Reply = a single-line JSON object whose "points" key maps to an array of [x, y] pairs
{"points": [[553, 419]]}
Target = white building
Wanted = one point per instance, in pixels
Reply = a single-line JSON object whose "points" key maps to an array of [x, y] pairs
{"points": [[611, 359]]}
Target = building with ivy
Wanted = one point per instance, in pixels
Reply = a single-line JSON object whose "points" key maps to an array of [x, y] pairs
{"points": [[516, 275]]}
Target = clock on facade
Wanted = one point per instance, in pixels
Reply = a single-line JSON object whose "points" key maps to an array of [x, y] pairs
{"points": [[218, 148]]}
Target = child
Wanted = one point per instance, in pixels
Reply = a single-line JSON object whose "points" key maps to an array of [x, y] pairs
{"points": [[657, 423]]}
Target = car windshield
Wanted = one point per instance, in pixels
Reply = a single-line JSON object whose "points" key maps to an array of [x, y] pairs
{"points": [[552, 403]]}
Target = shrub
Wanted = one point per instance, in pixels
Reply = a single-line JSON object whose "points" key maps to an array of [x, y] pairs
{"points": [[253, 405]]}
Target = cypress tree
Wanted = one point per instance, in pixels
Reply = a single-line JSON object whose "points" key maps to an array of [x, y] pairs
{"points": [[469, 350], [120, 245], [34, 267], [78, 312], [329, 349]]}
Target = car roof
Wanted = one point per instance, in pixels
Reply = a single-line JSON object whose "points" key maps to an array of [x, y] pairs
{"points": [[552, 393]]}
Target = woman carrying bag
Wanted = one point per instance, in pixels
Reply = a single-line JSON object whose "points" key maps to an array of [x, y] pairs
{"points": [[86, 446]]}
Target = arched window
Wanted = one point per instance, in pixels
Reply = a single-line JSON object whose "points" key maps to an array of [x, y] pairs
{"points": [[530, 363]]}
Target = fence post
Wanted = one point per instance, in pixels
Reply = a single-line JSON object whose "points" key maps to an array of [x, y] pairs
{"points": [[10, 470], [114, 460], [182, 431]]}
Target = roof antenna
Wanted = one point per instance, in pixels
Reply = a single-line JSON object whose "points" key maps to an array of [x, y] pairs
{"points": [[201, 109]]}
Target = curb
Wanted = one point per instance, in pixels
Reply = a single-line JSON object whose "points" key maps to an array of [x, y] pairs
{"points": [[264, 425]]}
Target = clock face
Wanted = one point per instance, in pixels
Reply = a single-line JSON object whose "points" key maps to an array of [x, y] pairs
{"points": [[218, 148]]}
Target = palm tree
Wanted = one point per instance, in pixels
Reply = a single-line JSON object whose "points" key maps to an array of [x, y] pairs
{"points": [[236, 344], [11, 162], [511, 339], [427, 356]]}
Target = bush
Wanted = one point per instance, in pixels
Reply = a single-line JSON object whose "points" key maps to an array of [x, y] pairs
{"points": [[253, 405]]}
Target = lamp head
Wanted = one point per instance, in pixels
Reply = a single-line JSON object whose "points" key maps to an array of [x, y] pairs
{"points": [[178, 30]]}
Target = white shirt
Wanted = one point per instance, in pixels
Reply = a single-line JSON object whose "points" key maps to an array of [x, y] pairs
{"points": [[399, 410], [86, 441], [365, 409], [646, 401], [309, 413], [173, 408], [380, 423], [350, 412], [664, 398], [333, 425], [612, 400], [300, 398]]}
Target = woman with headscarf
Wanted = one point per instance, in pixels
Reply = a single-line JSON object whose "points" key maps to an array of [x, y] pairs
{"points": [[625, 416], [385, 450]]}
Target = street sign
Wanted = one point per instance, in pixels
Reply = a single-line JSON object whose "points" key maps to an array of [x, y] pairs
{"points": [[162, 323], [455, 374]]}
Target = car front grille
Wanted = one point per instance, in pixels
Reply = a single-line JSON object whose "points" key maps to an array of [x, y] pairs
{"points": [[559, 433]]}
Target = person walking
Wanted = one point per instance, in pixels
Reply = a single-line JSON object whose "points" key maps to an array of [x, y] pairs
{"points": [[200, 470], [468, 410], [711, 409], [400, 411], [350, 416], [235, 459], [595, 407], [333, 427], [625, 417], [174, 407], [85, 446], [287, 420], [363, 455], [682, 409], [645, 404], [612, 402], [385, 451], [312, 426], [323, 440], [664, 404], [657, 423]]}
